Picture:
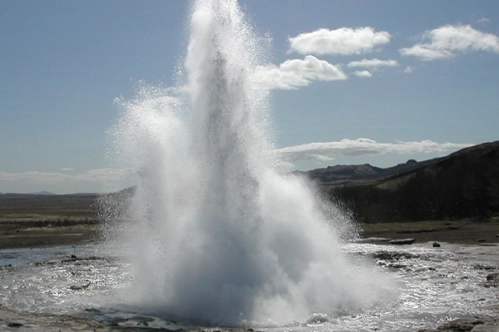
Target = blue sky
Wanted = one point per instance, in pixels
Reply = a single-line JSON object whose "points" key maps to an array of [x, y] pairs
{"points": [[352, 82]]}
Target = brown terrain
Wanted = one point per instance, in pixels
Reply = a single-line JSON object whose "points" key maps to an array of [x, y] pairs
{"points": [[460, 231], [48, 220]]}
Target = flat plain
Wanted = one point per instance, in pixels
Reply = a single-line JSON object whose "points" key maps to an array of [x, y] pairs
{"points": [[48, 220]]}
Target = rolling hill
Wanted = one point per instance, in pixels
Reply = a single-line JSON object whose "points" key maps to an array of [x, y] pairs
{"points": [[464, 184]]}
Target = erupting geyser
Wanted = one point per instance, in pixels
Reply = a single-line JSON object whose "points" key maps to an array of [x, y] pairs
{"points": [[217, 234]]}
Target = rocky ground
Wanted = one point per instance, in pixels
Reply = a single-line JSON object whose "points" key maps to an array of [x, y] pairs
{"points": [[18, 235], [11, 320]]}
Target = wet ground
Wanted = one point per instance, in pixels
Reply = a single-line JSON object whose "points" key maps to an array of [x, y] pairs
{"points": [[75, 288]]}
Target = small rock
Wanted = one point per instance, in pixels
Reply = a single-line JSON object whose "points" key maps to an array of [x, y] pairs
{"points": [[15, 324], [436, 245], [483, 267], [317, 318], [492, 280], [80, 287], [493, 276], [374, 239], [389, 255], [402, 241], [460, 325], [396, 265], [487, 327]]}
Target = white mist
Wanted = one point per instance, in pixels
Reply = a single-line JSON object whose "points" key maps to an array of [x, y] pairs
{"points": [[217, 235]]}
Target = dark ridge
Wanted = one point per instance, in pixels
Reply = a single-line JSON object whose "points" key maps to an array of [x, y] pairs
{"points": [[462, 185]]}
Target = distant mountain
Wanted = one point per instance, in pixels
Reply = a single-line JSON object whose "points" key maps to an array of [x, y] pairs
{"points": [[341, 175], [82, 194], [464, 184], [48, 193], [43, 193]]}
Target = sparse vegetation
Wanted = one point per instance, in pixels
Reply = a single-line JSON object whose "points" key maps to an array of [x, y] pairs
{"points": [[61, 209]]}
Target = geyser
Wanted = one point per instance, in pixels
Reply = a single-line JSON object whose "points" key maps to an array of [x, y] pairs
{"points": [[217, 235]]}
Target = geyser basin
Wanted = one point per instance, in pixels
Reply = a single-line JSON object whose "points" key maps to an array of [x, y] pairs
{"points": [[439, 284], [218, 235]]}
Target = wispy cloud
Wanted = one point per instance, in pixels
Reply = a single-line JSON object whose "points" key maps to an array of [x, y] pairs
{"points": [[361, 146], [296, 73], [409, 69], [446, 41], [34, 176], [97, 175], [363, 73], [344, 41], [483, 20], [372, 63]]}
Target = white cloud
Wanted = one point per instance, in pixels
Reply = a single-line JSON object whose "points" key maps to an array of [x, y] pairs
{"points": [[296, 73], [373, 63], [409, 69], [361, 146], [363, 73], [427, 52], [103, 175], [343, 41], [446, 41], [34, 176]]}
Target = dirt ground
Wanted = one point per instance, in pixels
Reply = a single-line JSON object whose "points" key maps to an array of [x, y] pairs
{"points": [[19, 235], [27, 235], [49, 220], [462, 231]]}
